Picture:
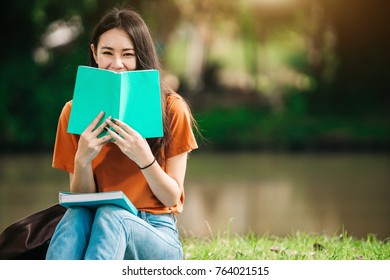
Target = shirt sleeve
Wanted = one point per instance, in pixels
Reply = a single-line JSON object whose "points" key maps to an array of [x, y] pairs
{"points": [[182, 136], [65, 146]]}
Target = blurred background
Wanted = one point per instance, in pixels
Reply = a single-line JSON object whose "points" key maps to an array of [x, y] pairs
{"points": [[292, 98]]}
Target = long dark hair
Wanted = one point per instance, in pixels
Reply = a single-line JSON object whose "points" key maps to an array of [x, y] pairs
{"points": [[146, 56]]}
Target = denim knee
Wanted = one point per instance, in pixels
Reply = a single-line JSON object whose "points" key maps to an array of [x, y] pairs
{"points": [[80, 218], [147, 236], [71, 236]]}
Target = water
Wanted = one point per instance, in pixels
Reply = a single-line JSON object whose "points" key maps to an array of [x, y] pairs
{"points": [[264, 193]]}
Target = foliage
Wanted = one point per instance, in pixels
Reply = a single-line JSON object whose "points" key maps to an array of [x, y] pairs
{"points": [[246, 129], [298, 246], [322, 75]]}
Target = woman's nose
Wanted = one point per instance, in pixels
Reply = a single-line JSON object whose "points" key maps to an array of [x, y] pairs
{"points": [[117, 63]]}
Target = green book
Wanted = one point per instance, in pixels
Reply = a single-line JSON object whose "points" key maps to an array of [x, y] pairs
{"points": [[94, 200], [132, 97]]}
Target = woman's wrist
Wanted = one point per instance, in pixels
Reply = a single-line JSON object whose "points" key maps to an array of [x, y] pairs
{"points": [[81, 163], [148, 165]]}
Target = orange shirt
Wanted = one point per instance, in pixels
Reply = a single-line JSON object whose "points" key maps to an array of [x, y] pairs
{"points": [[115, 171]]}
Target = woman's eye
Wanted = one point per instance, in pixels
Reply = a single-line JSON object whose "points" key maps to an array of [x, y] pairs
{"points": [[107, 53], [128, 54]]}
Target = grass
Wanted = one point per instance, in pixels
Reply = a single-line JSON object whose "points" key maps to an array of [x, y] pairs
{"points": [[299, 246]]}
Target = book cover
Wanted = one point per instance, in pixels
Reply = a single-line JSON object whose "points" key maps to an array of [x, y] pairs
{"points": [[132, 97], [93, 200]]}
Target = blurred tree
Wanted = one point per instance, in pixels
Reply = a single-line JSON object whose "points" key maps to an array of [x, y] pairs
{"points": [[31, 93], [36, 74], [310, 58], [201, 18], [363, 42]]}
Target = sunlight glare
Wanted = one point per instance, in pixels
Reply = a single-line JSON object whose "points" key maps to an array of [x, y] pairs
{"points": [[271, 2]]}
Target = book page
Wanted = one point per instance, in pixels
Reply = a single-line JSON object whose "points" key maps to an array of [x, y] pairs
{"points": [[140, 105], [96, 90]]}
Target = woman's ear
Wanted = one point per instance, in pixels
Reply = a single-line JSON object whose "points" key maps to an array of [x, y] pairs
{"points": [[94, 52]]}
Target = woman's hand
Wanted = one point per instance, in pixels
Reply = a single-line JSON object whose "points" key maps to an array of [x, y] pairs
{"points": [[131, 143], [167, 185], [90, 144]]}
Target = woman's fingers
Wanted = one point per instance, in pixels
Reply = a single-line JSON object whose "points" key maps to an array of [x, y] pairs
{"points": [[105, 139], [129, 141], [99, 129], [94, 123], [121, 128], [125, 127], [113, 134]]}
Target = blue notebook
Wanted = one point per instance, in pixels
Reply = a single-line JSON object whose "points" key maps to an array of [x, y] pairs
{"points": [[94, 200], [132, 97]]}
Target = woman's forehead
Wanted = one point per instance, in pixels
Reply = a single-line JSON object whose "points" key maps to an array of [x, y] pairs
{"points": [[116, 38]]}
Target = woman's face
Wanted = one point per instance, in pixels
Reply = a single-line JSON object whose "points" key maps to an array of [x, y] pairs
{"points": [[115, 51]]}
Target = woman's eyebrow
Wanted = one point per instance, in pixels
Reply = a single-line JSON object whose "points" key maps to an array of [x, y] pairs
{"points": [[111, 49]]}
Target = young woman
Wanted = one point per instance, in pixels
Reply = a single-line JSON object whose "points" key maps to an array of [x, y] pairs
{"points": [[150, 172]]}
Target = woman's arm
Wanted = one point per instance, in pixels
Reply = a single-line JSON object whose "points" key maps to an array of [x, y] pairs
{"points": [[166, 186], [82, 181], [89, 146]]}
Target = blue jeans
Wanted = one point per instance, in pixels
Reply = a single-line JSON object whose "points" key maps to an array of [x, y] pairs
{"points": [[112, 233]]}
